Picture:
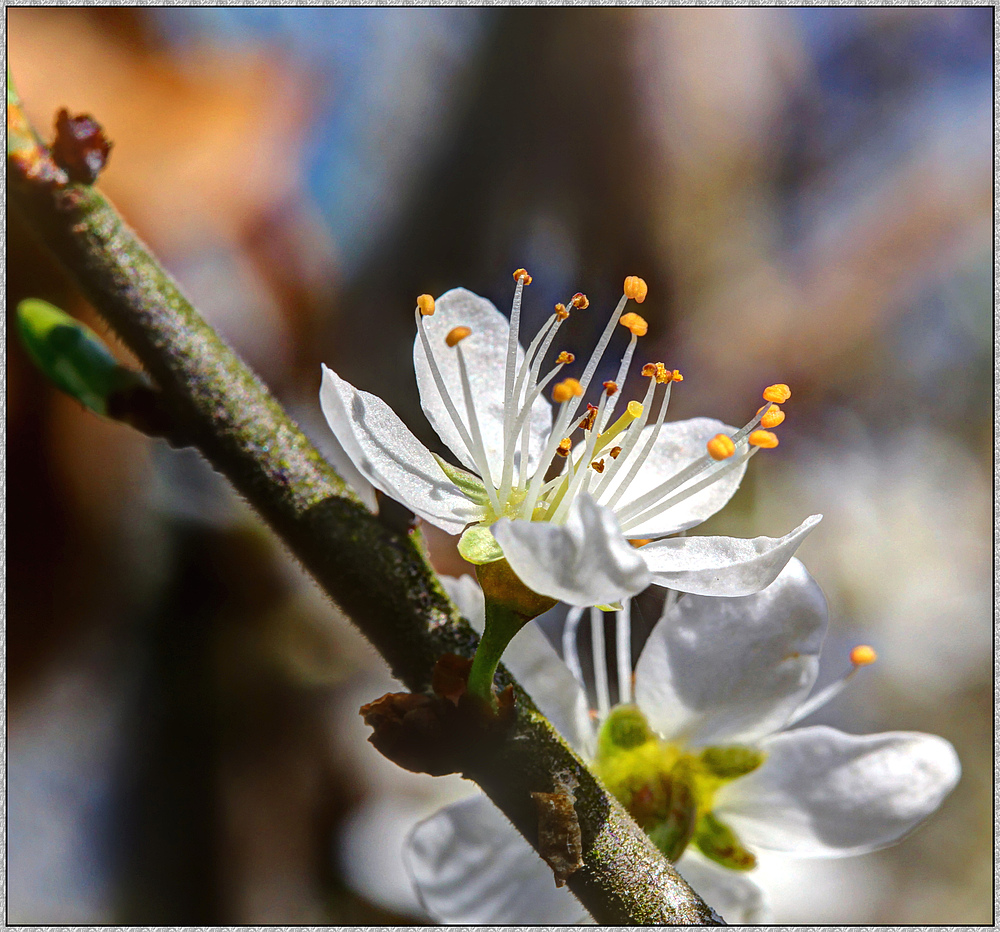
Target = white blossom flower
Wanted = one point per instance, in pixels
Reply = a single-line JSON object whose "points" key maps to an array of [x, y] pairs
{"points": [[699, 754], [635, 477]]}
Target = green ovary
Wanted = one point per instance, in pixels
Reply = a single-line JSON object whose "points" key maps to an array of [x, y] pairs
{"points": [[669, 790]]}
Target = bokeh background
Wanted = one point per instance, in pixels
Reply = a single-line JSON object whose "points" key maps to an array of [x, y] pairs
{"points": [[807, 193]]}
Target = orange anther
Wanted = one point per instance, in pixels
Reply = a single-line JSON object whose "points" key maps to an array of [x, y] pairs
{"points": [[635, 288], [566, 389], [636, 324], [773, 417], [649, 370], [720, 447], [640, 541], [565, 445], [456, 335], [610, 388], [426, 304], [615, 452], [763, 438], [565, 358], [521, 275], [862, 655], [597, 465], [588, 419], [580, 301], [779, 393], [561, 312], [675, 376]]}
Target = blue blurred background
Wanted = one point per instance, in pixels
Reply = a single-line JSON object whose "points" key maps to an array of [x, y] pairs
{"points": [[807, 192]]}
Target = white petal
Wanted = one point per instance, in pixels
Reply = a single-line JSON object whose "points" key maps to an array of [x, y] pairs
{"points": [[535, 664], [586, 561], [732, 894], [471, 866], [823, 793], [726, 566], [486, 358], [718, 671], [390, 457], [678, 444], [344, 466]]}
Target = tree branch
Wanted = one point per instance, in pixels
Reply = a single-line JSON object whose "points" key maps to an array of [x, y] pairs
{"points": [[379, 578]]}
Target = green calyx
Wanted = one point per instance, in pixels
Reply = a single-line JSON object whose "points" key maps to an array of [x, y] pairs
{"points": [[670, 792], [510, 605]]}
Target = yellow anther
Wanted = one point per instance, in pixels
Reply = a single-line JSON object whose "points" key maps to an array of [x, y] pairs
{"points": [[675, 376], [565, 358], [580, 301], [779, 393], [862, 655], [561, 312], [635, 288], [610, 388], [597, 465], [426, 304], [456, 335], [565, 445], [663, 374], [772, 418], [521, 275], [721, 447], [763, 438], [635, 323], [566, 389], [615, 452], [638, 542]]}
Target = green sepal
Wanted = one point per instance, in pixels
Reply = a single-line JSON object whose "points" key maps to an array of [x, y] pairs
{"points": [[610, 607], [731, 761], [624, 728], [479, 546], [468, 484], [718, 841], [71, 355]]}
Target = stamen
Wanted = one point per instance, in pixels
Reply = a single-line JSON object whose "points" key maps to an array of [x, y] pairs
{"points": [[668, 503], [763, 438], [600, 662], [602, 345], [561, 312], [425, 304], [560, 504], [565, 445], [778, 393], [623, 651], [648, 445], [638, 542], [631, 439], [570, 654], [565, 358], [479, 448], [863, 655], [597, 465], [580, 301], [456, 335], [588, 419], [614, 452], [720, 447], [610, 388], [566, 389], [635, 324], [635, 288], [439, 383], [522, 277], [860, 656], [772, 416]]}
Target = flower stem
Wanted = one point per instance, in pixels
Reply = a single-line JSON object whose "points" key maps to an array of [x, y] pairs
{"points": [[502, 623]]}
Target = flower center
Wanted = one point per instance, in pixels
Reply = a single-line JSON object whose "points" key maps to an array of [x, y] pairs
{"points": [[670, 790], [594, 464]]}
